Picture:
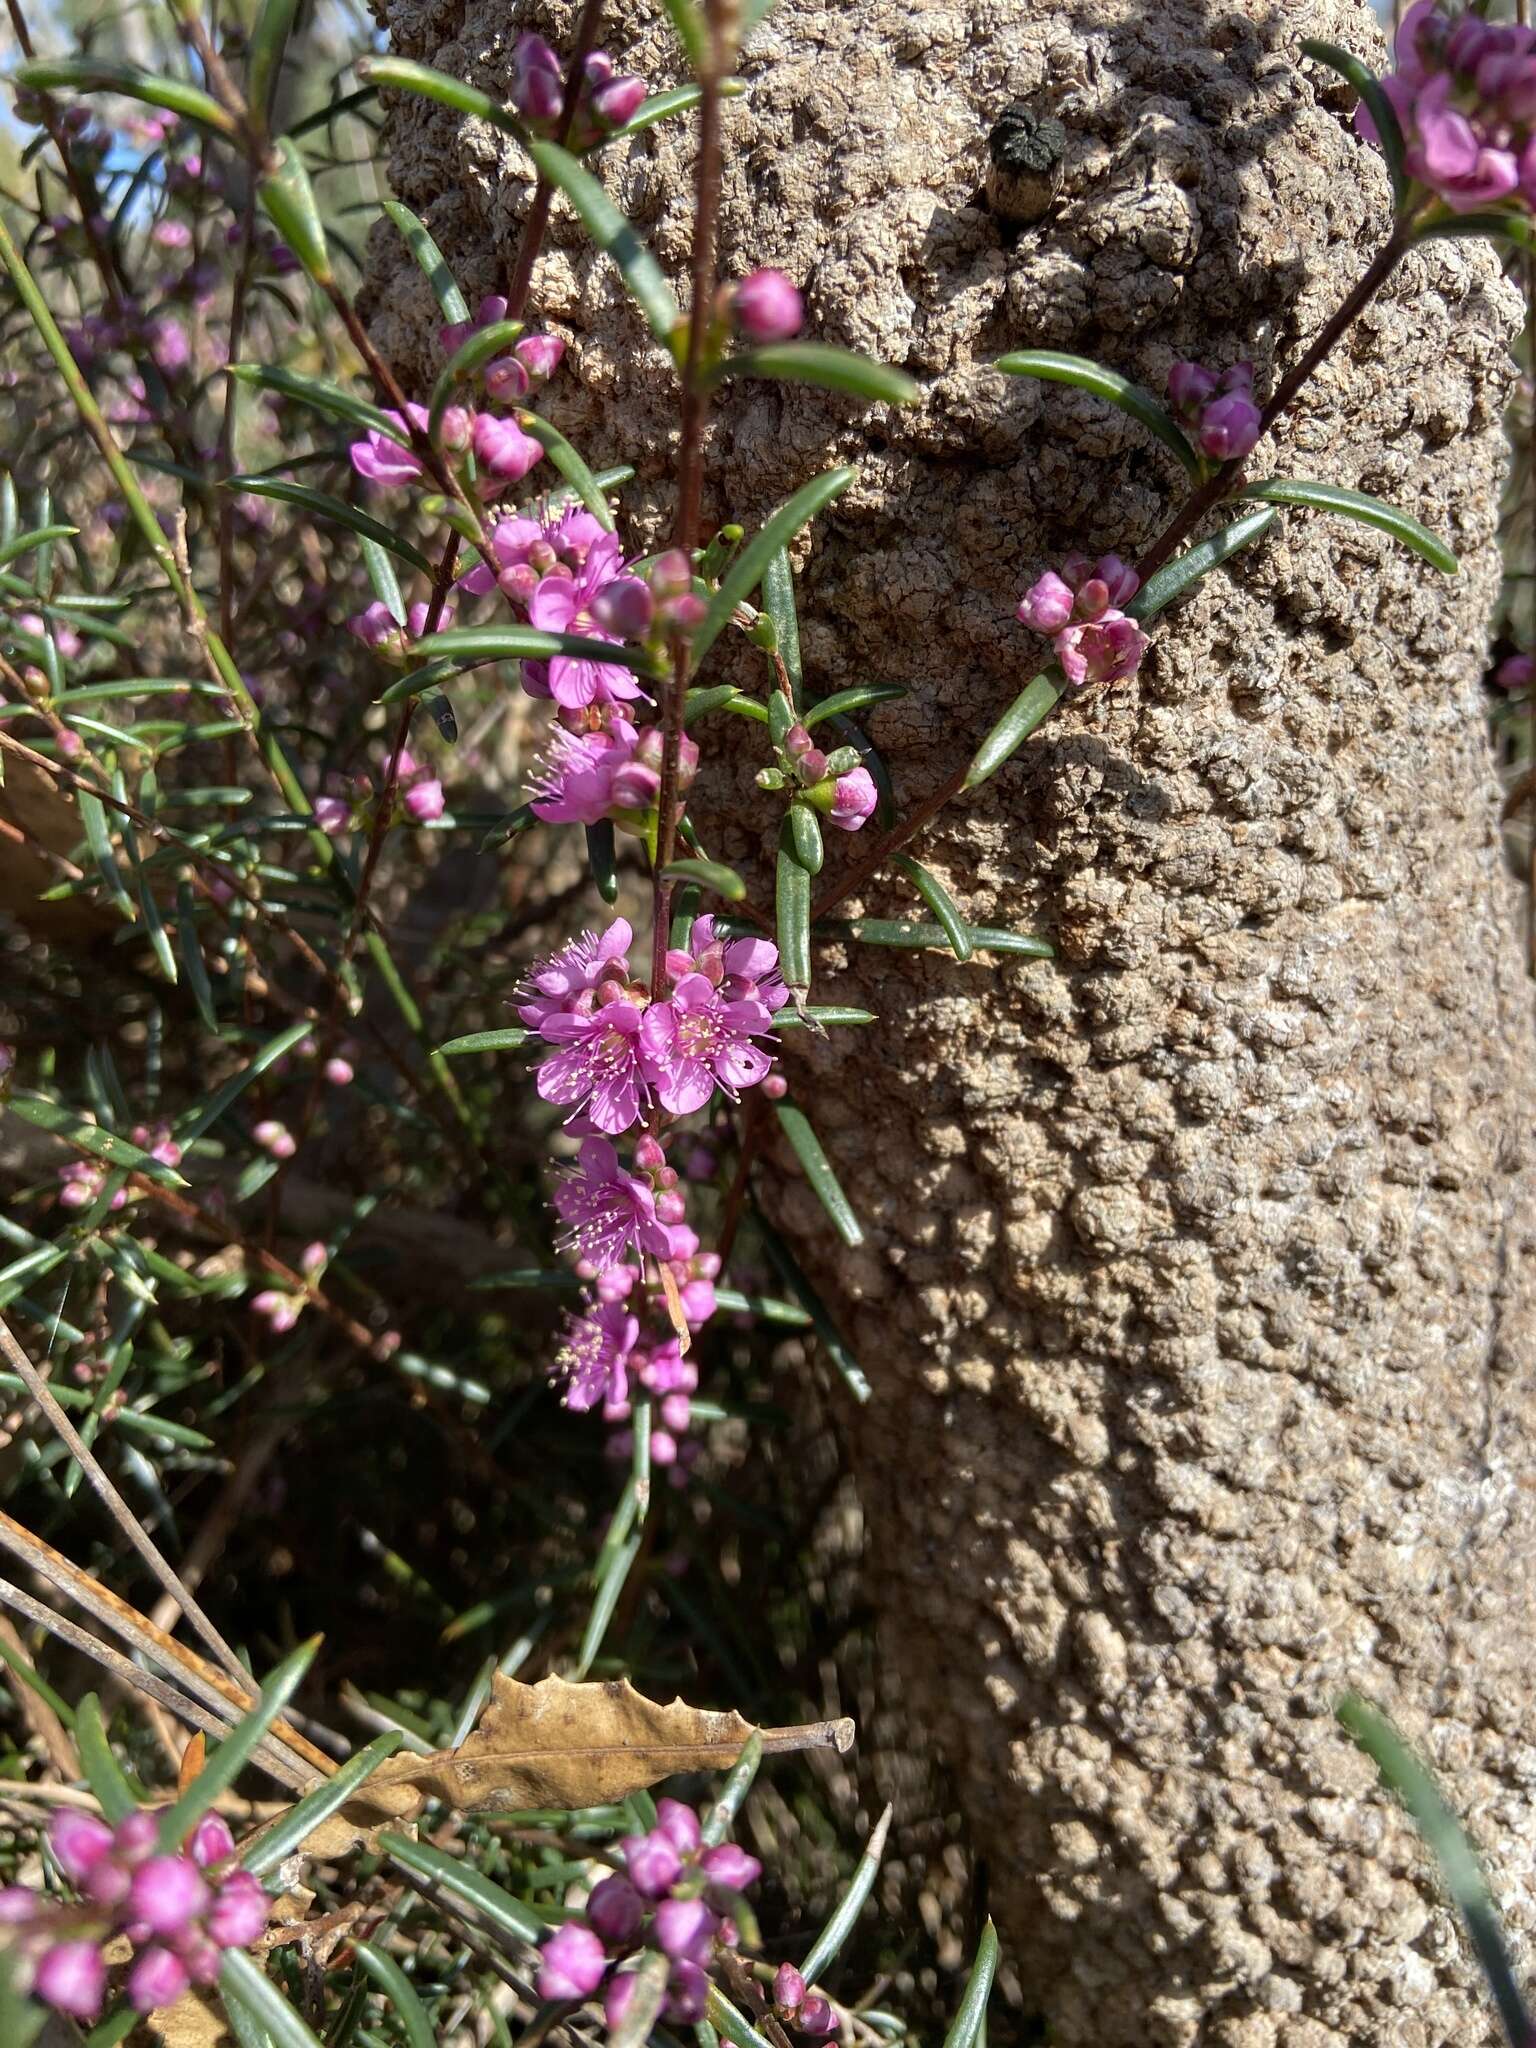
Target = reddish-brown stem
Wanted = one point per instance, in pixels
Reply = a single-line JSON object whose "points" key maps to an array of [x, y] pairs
{"points": [[534, 226], [690, 467], [1189, 514]]}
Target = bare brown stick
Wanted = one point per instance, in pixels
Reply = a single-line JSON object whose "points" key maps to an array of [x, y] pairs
{"points": [[114, 1503]]}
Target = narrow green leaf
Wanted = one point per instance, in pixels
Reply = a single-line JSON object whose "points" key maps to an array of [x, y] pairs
{"points": [[1033, 705], [154, 930], [840, 1925], [87, 74], [602, 860], [269, 39], [466, 359], [817, 1168], [510, 1040], [825, 1014], [722, 1813], [909, 936], [36, 537], [973, 2006], [571, 467], [1360, 505], [226, 1762], [1360, 75], [399, 74], [1177, 576], [830, 369], [711, 874], [196, 1121], [381, 574], [688, 26], [719, 697], [268, 1850], [730, 2024], [98, 837], [103, 1773], [775, 534], [778, 594], [1458, 227], [244, 1982], [1057, 368], [465, 646], [661, 106], [858, 698], [504, 1915], [324, 506], [401, 1993], [613, 234], [190, 947], [320, 396], [290, 204], [792, 916], [106, 1146], [1403, 1774], [940, 902], [805, 837], [430, 259]]}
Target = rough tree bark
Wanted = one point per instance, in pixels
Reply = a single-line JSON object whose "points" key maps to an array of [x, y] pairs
{"points": [[1193, 1292]]}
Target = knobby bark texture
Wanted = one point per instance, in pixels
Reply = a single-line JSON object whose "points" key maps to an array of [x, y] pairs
{"points": [[1196, 1285]]}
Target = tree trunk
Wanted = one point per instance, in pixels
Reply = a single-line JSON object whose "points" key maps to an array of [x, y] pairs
{"points": [[1195, 1291]]}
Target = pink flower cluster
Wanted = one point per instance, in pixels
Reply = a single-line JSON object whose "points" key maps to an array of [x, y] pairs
{"points": [[604, 102], [503, 452], [838, 784], [1217, 409], [674, 1898], [178, 1911], [1464, 92], [418, 798], [1079, 610], [812, 2015]]}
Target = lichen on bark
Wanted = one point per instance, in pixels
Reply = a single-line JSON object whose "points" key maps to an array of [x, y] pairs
{"points": [[1196, 1284]]}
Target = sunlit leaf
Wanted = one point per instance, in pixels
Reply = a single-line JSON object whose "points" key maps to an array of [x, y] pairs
{"points": [[399, 74], [289, 199], [817, 1168], [430, 260], [710, 874], [613, 234], [908, 936], [940, 902], [87, 74], [749, 567], [1109, 385], [320, 395], [841, 702], [830, 369], [509, 1040], [1186, 570], [973, 2006], [792, 916], [90, 1138], [1360, 505], [571, 466]]}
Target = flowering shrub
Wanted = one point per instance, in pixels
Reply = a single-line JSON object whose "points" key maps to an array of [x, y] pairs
{"points": [[341, 566]]}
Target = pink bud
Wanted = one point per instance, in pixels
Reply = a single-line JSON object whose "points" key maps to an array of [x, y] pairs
{"points": [[1190, 385], [18, 1906], [72, 1978], [687, 1992], [649, 1156], [1047, 605], [158, 1978], [671, 574], [680, 1825], [425, 801], [676, 1412], [728, 1864], [311, 1261], [775, 1087], [211, 1841], [817, 2017], [506, 380], [621, 1989], [652, 1862], [79, 1841], [1229, 428], [136, 1834], [855, 800], [456, 430], [615, 1911], [788, 1987], [540, 354], [338, 1072], [767, 306], [167, 1894], [684, 1928], [625, 607], [504, 449], [617, 102], [571, 1963], [239, 1913]]}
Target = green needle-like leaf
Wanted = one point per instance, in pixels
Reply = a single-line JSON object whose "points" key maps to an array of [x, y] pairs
{"points": [[430, 259], [1109, 385], [613, 234], [226, 1762], [1388, 129], [750, 566], [300, 1821], [710, 874], [817, 1168], [86, 74], [973, 2006], [90, 1138], [1359, 505], [324, 506], [1186, 570], [830, 369], [940, 902]]}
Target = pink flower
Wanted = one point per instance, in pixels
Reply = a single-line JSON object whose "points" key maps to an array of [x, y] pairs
{"points": [[79, 1841], [606, 1210], [540, 354], [685, 1929], [594, 1354], [382, 459], [767, 306], [563, 604], [687, 1993], [856, 800], [566, 979], [169, 346], [573, 778], [729, 1866], [1103, 650], [158, 1978], [376, 626], [615, 1911], [602, 1068], [1047, 605], [424, 800], [571, 1963], [699, 1037], [72, 1978], [333, 814], [816, 2017], [652, 1862], [239, 1913], [680, 1825], [1096, 642], [1189, 386], [167, 1894], [503, 449]]}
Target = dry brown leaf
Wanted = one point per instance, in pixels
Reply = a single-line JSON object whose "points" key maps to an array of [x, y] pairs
{"points": [[562, 1744]]}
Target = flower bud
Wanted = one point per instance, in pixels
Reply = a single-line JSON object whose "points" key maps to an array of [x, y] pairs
{"points": [[671, 574], [728, 1864], [239, 1913], [687, 1993], [137, 1834], [79, 1841], [684, 1929], [767, 306], [615, 1911], [211, 1840], [72, 1978], [1229, 428], [651, 1860], [456, 430], [540, 354], [158, 1978], [649, 1156], [571, 1963], [1046, 606], [1190, 385], [817, 2017], [680, 1824], [788, 1987], [621, 1990], [618, 101], [676, 1412], [167, 1894], [506, 380], [625, 606]]}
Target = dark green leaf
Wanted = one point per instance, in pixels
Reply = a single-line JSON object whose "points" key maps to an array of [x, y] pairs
{"points": [[570, 466], [710, 874], [502, 1914], [830, 369], [429, 258], [820, 1013], [1185, 570], [720, 697], [1403, 1774], [98, 837], [806, 1147], [397, 1988], [322, 397], [192, 956], [243, 1982], [102, 1771], [289, 199], [509, 1040], [838, 1928], [779, 603], [788, 1268], [613, 234], [194, 1122], [106, 1146], [1109, 385], [290, 1829], [1402, 526], [841, 702], [381, 574], [911, 937], [731, 2025], [225, 1763], [399, 74], [86, 74], [792, 916], [749, 567], [805, 837], [602, 860], [269, 39], [1382, 112], [324, 506], [38, 536], [940, 902], [659, 107], [973, 2006], [1033, 705], [464, 646]]}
